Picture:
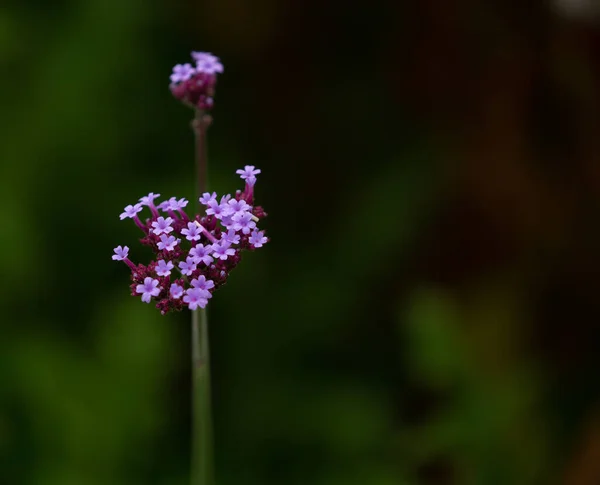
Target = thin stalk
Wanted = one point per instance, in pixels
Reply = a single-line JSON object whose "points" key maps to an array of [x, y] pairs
{"points": [[202, 440]]}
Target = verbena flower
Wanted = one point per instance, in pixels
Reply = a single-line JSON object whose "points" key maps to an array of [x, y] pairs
{"points": [[195, 85], [193, 254], [148, 289]]}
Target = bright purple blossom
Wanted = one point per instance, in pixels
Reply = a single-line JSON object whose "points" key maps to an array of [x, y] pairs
{"points": [[149, 199], [192, 232], [182, 72], [202, 254], [162, 226], [121, 253], [163, 268], [258, 238], [175, 205], [222, 250], [247, 172], [243, 222], [207, 197], [168, 243], [227, 221], [207, 63], [131, 211], [195, 297], [148, 289], [217, 210], [176, 291], [202, 283], [236, 206], [188, 266], [231, 237]]}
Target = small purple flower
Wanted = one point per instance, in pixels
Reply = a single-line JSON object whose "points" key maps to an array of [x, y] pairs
{"points": [[231, 237], [149, 199], [227, 221], [182, 72], [176, 291], [193, 232], [248, 172], [207, 197], [175, 205], [202, 254], [121, 253], [131, 211], [222, 250], [195, 297], [207, 63], [164, 268], [258, 238], [168, 243], [243, 222], [162, 226], [236, 206], [148, 289], [202, 283], [188, 266], [225, 199], [217, 210]]}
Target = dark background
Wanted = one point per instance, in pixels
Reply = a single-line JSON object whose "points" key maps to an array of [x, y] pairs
{"points": [[427, 311]]}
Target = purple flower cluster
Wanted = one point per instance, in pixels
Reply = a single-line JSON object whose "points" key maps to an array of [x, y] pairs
{"points": [[194, 255], [195, 85]]}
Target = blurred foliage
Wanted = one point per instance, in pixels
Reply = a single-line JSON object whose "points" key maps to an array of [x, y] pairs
{"points": [[426, 312]]}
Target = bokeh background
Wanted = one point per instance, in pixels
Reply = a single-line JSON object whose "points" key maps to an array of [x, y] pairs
{"points": [[428, 309]]}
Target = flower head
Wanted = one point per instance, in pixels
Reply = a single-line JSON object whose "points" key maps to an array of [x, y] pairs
{"points": [[195, 86], [148, 289], [204, 247]]}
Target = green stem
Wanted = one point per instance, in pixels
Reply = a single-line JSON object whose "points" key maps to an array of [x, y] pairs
{"points": [[202, 456], [202, 440]]}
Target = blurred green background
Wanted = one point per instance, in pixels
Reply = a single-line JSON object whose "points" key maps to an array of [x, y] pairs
{"points": [[427, 311]]}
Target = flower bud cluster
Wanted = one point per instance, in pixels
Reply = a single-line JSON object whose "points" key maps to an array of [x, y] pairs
{"points": [[195, 85], [194, 255]]}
